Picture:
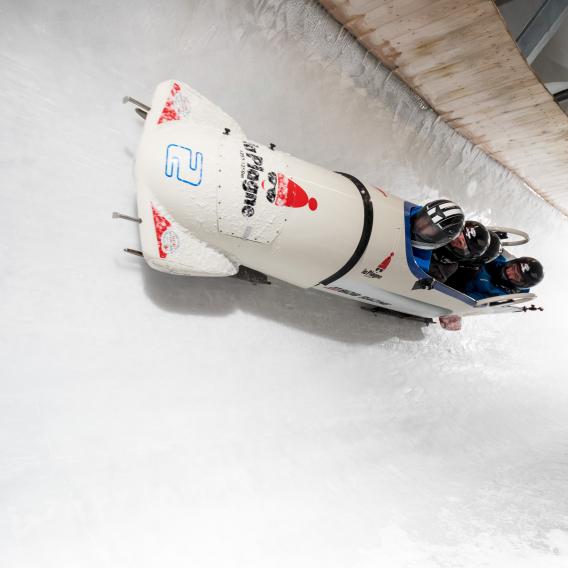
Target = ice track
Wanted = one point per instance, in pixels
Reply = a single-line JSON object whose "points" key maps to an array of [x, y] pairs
{"points": [[150, 420]]}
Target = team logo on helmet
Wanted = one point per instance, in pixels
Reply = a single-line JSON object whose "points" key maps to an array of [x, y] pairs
{"points": [[440, 212], [470, 232], [525, 267]]}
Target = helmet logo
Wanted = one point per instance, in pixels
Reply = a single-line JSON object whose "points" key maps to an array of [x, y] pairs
{"points": [[525, 267], [442, 211], [470, 232]]}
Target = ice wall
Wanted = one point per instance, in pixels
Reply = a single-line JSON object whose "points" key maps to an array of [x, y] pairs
{"points": [[151, 420]]}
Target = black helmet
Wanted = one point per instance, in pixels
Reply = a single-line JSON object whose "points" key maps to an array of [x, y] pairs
{"points": [[494, 250], [436, 224], [523, 272], [471, 244]]}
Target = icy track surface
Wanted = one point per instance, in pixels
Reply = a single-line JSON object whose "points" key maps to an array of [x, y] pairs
{"points": [[149, 420]]}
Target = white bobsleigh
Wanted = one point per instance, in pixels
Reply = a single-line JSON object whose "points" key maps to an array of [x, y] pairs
{"points": [[210, 201]]}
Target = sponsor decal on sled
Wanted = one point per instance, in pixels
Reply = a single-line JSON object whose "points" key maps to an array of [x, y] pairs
{"points": [[280, 190], [251, 170], [340, 290], [377, 272], [285, 192], [176, 107], [167, 239]]}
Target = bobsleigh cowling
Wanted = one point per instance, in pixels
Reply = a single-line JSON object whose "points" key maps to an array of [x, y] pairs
{"points": [[210, 201]]}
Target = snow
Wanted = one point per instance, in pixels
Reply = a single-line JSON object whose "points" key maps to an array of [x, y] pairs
{"points": [[148, 419]]}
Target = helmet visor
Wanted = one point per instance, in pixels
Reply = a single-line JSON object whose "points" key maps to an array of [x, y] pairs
{"points": [[429, 234], [513, 274], [522, 273]]}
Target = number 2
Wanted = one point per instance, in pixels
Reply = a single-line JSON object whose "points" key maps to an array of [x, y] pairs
{"points": [[187, 166]]}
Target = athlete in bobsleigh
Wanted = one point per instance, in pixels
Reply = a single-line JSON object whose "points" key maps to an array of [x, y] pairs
{"points": [[505, 276], [213, 203], [473, 261]]}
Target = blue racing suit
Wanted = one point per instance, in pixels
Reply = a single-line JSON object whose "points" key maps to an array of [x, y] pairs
{"points": [[484, 284]]}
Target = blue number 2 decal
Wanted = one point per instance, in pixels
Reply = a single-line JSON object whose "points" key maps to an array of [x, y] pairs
{"points": [[187, 166]]}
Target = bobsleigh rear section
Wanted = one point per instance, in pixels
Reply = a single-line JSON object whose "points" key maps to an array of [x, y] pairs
{"points": [[211, 200]]}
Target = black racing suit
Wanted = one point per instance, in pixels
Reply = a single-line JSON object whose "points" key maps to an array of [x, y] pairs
{"points": [[443, 264]]}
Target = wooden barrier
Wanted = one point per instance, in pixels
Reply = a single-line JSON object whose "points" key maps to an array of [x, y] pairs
{"points": [[460, 58]]}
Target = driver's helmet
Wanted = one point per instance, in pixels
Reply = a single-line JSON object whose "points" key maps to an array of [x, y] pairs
{"points": [[470, 244], [436, 224], [494, 250], [523, 272]]}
